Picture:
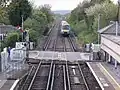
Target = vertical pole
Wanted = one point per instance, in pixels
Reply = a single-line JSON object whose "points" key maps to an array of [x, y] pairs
{"points": [[109, 58], [115, 64], [98, 28], [105, 55], [22, 28], [117, 22], [22, 22], [116, 28], [27, 46]]}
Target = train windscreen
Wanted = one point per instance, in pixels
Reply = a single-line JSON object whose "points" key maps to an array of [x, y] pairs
{"points": [[66, 27]]}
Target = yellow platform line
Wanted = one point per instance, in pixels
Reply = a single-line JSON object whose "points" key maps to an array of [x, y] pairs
{"points": [[96, 77], [117, 86]]}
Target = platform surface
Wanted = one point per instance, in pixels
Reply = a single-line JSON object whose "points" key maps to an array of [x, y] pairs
{"points": [[104, 78]]}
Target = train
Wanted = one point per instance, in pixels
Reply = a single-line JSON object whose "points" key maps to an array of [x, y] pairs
{"points": [[65, 28]]}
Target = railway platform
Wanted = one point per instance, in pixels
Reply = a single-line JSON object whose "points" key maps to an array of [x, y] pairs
{"points": [[4, 83], [7, 80], [114, 72], [106, 80]]}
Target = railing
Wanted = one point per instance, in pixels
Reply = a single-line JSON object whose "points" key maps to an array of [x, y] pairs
{"points": [[13, 67]]}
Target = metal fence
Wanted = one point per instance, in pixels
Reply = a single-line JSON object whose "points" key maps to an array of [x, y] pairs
{"points": [[15, 69]]}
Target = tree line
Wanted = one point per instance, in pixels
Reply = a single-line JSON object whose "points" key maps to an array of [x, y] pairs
{"points": [[36, 19], [84, 18]]}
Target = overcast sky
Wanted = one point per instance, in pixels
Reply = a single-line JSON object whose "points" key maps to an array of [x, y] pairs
{"points": [[59, 4]]}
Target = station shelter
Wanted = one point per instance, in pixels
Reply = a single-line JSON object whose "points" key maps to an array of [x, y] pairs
{"points": [[110, 44]]}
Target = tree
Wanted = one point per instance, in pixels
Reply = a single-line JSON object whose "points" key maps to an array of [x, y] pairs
{"points": [[37, 21], [86, 15], [4, 16], [33, 35], [11, 39], [46, 9], [3, 3], [93, 2], [17, 8], [108, 12]]}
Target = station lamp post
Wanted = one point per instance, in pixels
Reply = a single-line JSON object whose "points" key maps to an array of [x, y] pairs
{"points": [[117, 19], [118, 10], [27, 44], [99, 15], [117, 27]]}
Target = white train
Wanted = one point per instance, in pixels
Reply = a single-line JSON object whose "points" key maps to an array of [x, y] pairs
{"points": [[65, 28]]}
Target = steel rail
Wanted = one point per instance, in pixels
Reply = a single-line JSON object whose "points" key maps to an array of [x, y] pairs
{"points": [[68, 78], [64, 45], [83, 76], [48, 39], [65, 87], [27, 77], [72, 44], [49, 78], [55, 43], [30, 86], [47, 43], [67, 73], [53, 77]]}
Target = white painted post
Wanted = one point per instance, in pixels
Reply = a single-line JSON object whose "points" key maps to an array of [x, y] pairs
{"points": [[98, 28], [115, 64], [109, 59], [116, 28], [4, 61]]}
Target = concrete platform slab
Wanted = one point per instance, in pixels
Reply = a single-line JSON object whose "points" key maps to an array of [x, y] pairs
{"points": [[115, 73], [7, 85], [104, 79]]}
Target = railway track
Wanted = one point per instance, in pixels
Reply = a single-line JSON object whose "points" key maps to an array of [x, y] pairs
{"points": [[61, 75], [41, 78], [51, 75], [58, 82], [26, 83], [57, 42], [90, 80]]}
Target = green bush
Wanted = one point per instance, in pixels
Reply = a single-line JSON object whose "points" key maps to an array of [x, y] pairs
{"points": [[33, 36], [11, 39]]}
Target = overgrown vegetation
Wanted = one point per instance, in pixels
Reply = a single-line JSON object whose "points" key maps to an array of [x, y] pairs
{"points": [[36, 20], [11, 39], [17, 9], [84, 18]]}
